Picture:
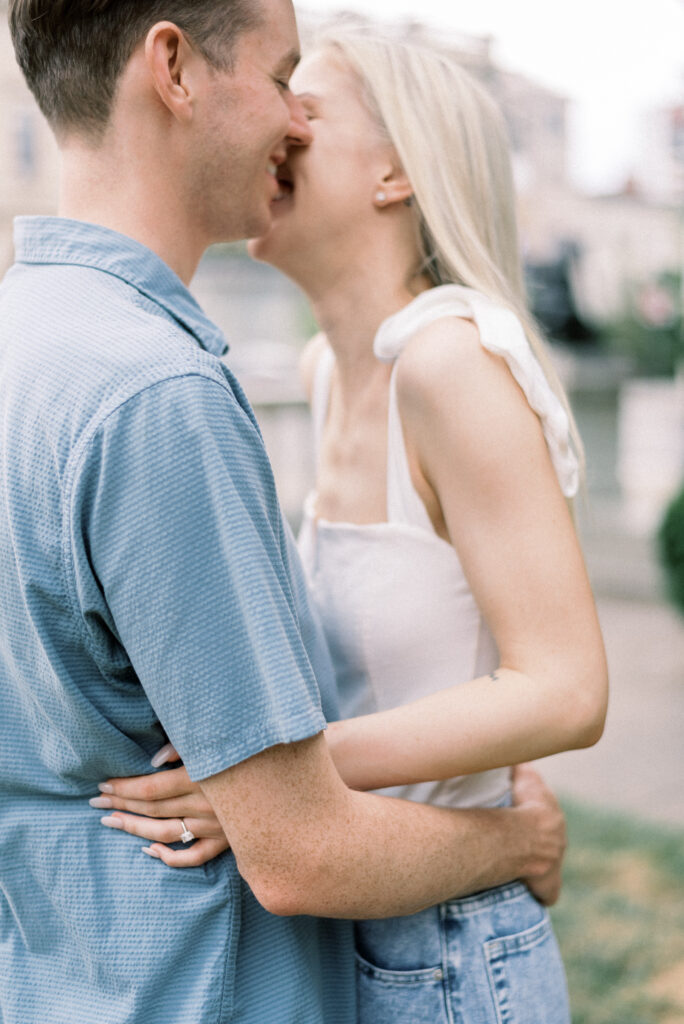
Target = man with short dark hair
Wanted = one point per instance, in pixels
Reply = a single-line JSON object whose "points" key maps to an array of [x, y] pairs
{"points": [[148, 588], [73, 54]]}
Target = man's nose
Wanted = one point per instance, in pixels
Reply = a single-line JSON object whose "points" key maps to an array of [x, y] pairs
{"points": [[299, 133]]}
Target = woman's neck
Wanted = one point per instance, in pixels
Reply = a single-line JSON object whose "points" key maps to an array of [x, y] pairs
{"points": [[350, 312]]}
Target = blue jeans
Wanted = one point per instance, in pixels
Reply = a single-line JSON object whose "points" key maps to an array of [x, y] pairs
{"points": [[485, 959]]}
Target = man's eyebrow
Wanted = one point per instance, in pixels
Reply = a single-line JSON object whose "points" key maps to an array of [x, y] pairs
{"points": [[290, 61]]}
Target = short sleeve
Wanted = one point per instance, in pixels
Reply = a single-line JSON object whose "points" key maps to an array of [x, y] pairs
{"points": [[180, 557], [312, 632]]}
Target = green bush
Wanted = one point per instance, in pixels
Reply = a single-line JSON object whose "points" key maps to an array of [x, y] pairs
{"points": [[650, 338], [671, 547]]}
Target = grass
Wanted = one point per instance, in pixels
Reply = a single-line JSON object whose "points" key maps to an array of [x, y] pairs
{"points": [[620, 920]]}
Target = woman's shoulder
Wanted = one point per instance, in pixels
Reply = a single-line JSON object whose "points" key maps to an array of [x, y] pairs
{"points": [[445, 359], [462, 412], [309, 359], [474, 376]]}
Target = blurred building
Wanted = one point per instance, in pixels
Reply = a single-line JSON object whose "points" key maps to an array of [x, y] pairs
{"points": [[538, 125], [660, 169], [28, 154], [622, 242]]}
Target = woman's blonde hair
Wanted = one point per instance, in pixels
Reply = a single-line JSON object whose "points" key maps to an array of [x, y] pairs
{"points": [[452, 141]]}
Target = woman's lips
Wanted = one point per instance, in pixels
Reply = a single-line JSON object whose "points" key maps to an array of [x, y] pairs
{"points": [[285, 189], [285, 185]]}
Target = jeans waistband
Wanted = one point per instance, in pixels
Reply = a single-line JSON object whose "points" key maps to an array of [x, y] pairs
{"points": [[484, 900]]}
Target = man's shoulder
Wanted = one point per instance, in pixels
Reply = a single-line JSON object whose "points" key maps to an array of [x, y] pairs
{"points": [[83, 343], [85, 308]]}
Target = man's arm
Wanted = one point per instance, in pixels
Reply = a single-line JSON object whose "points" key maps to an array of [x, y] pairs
{"points": [[473, 849], [181, 555], [308, 845]]}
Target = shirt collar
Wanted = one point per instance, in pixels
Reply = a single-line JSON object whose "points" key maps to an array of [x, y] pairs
{"points": [[57, 240]]}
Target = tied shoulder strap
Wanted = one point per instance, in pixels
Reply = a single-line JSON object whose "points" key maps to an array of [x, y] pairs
{"points": [[502, 334]]}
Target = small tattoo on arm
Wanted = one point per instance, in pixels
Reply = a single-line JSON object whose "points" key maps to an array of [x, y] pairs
{"points": [[494, 677]]}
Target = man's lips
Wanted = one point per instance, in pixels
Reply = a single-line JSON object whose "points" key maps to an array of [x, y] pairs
{"points": [[285, 182], [283, 178]]}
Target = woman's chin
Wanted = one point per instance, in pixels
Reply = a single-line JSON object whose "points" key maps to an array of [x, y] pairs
{"points": [[263, 249], [253, 247], [272, 247]]}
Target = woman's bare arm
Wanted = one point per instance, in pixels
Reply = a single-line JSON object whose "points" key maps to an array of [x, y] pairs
{"points": [[481, 464]]}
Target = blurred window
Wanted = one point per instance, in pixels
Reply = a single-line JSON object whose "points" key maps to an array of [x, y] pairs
{"points": [[25, 143], [678, 133], [556, 123], [515, 132]]}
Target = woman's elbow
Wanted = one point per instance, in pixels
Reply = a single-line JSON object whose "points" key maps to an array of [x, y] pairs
{"points": [[590, 707], [591, 731]]}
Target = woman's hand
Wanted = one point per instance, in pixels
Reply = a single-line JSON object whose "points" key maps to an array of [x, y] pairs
{"points": [[153, 807]]}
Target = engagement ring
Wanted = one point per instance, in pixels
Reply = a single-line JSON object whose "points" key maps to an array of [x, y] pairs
{"points": [[186, 836]]}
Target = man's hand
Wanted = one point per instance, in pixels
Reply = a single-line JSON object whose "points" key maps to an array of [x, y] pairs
{"points": [[548, 837]]}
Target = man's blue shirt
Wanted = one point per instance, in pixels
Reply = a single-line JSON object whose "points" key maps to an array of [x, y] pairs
{"points": [[148, 588]]}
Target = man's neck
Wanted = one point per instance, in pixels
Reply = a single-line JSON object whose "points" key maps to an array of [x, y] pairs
{"points": [[132, 200]]}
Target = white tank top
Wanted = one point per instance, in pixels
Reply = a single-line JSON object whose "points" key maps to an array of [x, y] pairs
{"points": [[395, 604]]}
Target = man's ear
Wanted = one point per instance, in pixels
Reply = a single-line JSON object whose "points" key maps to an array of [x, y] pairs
{"points": [[169, 60]]}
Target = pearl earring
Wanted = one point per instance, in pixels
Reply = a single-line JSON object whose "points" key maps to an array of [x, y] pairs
{"points": [[381, 197]]}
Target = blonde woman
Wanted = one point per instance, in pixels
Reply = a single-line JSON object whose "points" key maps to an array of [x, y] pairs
{"points": [[439, 543]]}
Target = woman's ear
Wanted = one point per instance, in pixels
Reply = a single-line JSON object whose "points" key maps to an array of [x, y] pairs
{"points": [[394, 188], [168, 58]]}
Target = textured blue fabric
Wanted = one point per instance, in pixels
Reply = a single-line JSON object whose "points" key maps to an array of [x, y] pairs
{"points": [[148, 588]]}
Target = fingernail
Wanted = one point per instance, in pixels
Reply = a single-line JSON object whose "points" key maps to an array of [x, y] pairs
{"points": [[105, 787], [150, 852], [112, 822], [100, 801], [162, 756]]}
